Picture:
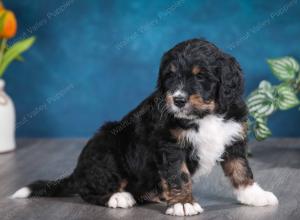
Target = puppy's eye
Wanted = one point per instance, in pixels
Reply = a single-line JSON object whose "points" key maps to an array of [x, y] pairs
{"points": [[170, 74], [200, 77]]}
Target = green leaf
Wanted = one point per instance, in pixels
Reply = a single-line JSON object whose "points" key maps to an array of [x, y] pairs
{"points": [[261, 103], [286, 97], [284, 68], [14, 51], [261, 131], [265, 85], [18, 58]]}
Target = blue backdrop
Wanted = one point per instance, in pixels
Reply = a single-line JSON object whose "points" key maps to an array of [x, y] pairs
{"points": [[95, 60]]}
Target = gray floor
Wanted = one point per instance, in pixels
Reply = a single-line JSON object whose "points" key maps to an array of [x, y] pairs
{"points": [[276, 166]]}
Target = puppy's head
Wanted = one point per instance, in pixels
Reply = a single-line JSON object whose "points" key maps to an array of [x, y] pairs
{"points": [[197, 79]]}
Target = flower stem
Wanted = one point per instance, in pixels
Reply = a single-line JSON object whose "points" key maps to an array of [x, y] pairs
{"points": [[2, 50]]}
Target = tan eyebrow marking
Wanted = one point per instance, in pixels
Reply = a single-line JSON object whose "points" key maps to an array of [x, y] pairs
{"points": [[173, 67], [196, 70]]}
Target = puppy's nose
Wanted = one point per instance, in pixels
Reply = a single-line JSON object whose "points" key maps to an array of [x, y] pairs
{"points": [[180, 101]]}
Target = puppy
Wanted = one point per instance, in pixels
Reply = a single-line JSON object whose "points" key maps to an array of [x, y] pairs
{"points": [[195, 117]]}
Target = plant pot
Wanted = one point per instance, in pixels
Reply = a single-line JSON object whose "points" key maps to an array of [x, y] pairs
{"points": [[7, 121]]}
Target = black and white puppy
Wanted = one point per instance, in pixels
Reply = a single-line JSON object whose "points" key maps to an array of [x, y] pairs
{"points": [[195, 117]]}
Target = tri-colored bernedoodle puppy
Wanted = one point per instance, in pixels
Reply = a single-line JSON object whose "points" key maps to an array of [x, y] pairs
{"points": [[195, 117]]}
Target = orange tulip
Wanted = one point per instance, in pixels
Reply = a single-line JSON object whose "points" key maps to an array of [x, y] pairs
{"points": [[9, 23]]}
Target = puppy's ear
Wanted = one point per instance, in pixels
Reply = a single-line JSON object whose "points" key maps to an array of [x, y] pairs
{"points": [[231, 82]]}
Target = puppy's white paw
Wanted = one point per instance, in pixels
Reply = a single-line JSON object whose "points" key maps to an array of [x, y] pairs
{"points": [[254, 195], [121, 200], [186, 209]]}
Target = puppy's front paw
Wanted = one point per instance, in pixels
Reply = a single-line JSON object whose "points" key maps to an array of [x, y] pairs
{"points": [[186, 209], [254, 195], [121, 200]]}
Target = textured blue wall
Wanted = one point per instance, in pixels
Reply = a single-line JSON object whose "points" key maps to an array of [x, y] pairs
{"points": [[95, 60]]}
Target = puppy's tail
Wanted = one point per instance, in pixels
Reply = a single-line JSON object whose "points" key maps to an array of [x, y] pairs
{"points": [[43, 188]]}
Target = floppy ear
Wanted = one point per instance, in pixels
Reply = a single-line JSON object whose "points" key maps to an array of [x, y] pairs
{"points": [[231, 82]]}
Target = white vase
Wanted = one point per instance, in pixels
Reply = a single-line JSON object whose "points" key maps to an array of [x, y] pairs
{"points": [[7, 121]]}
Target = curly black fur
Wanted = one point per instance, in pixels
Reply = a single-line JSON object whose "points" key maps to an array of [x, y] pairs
{"points": [[140, 150]]}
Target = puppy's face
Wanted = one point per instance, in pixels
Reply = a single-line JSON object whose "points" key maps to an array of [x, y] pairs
{"points": [[190, 91]]}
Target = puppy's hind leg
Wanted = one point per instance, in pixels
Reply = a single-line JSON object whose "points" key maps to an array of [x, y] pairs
{"points": [[121, 199], [236, 167], [109, 191]]}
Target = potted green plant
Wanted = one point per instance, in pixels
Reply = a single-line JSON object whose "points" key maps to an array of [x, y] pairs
{"points": [[8, 28]]}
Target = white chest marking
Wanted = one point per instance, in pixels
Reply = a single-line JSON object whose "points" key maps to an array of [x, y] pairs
{"points": [[209, 141]]}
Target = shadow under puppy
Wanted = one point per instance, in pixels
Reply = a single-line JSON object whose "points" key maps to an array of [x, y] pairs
{"points": [[195, 117]]}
